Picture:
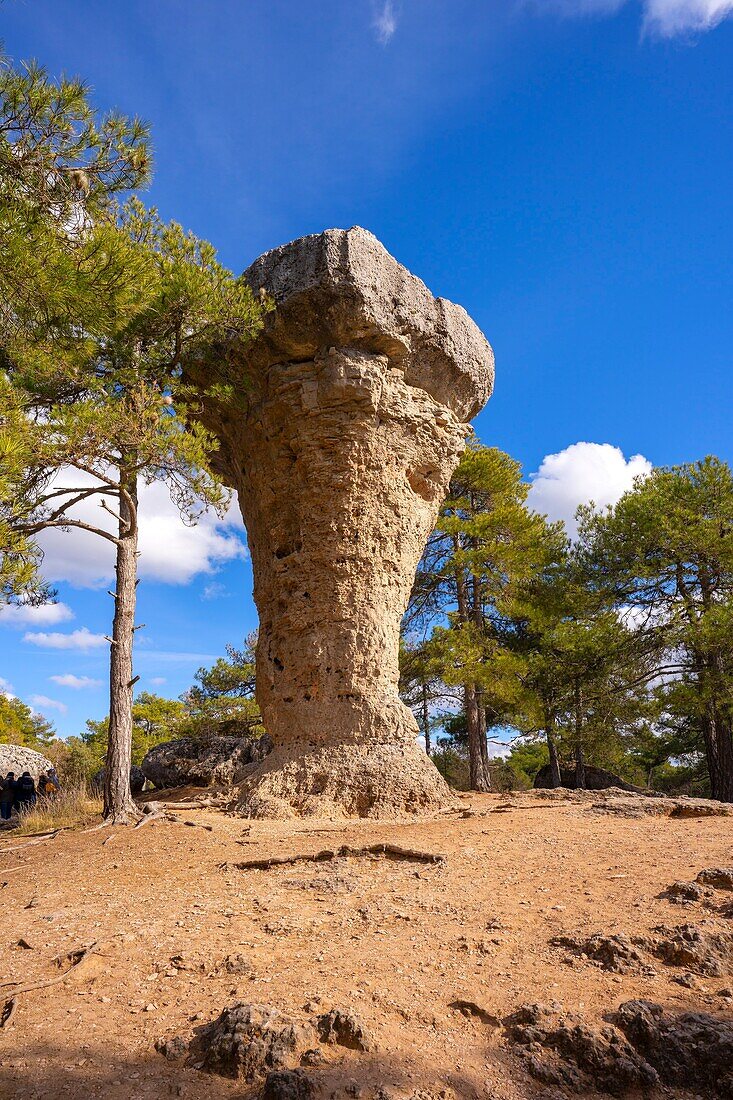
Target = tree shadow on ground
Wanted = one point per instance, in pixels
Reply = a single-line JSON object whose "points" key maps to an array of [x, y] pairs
{"points": [[43, 1071]]}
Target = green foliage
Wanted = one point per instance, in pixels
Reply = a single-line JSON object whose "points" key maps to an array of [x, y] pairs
{"points": [[469, 594], [62, 276], [665, 552], [525, 760], [19, 725], [220, 702], [154, 720], [221, 699]]}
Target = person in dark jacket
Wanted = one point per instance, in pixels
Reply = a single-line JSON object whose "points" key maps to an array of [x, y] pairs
{"points": [[25, 792], [7, 796]]}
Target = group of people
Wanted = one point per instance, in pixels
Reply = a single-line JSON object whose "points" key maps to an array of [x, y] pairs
{"points": [[21, 793]]}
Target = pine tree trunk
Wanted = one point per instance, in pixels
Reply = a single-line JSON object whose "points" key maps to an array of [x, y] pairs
{"points": [[426, 719], [555, 775], [719, 754], [483, 729], [119, 805], [717, 732], [478, 778], [579, 754]]}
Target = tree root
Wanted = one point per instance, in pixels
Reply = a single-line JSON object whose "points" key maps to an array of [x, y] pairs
{"points": [[77, 957], [148, 818], [41, 839], [389, 851]]}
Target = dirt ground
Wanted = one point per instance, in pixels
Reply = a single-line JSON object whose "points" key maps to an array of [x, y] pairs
{"points": [[395, 941]]}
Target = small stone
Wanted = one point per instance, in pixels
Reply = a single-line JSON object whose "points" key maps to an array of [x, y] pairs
{"points": [[172, 1049], [345, 1029]]}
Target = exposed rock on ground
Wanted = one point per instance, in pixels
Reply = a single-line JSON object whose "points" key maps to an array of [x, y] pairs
{"points": [[248, 1040], [721, 878], [562, 1049], [596, 779], [623, 803], [614, 953], [349, 423], [700, 950], [202, 761], [288, 1084], [656, 806], [641, 1046], [691, 1048], [18, 759], [344, 1029], [683, 893]]}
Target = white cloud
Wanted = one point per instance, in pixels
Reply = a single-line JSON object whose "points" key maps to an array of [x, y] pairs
{"points": [[170, 551], [157, 680], [661, 17], [582, 473], [6, 688], [669, 17], [43, 702], [385, 21], [45, 614], [77, 683], [78, 639]]}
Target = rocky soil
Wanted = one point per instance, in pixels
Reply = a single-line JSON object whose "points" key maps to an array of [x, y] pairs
{"points": [[544, 955]]}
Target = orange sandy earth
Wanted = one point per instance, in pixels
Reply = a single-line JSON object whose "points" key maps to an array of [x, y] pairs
{"points": [[395, 942]]}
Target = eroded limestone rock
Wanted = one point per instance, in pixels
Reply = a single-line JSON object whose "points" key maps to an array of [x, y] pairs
{"points": [[341, 442]]}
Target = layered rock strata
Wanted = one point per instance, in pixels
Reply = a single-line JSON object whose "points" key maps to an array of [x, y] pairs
{"points": [[340, 441]]}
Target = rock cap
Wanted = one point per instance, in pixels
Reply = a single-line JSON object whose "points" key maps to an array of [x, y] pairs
{"points": [[342, 288]]}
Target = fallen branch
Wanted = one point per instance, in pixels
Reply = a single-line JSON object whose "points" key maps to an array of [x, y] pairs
{"points": [[389, 851]]}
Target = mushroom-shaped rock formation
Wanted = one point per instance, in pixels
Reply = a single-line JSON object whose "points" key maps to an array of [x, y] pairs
{"points": [[341, 445]]}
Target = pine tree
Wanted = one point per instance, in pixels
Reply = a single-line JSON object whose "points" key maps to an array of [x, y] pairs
{"points": [[665, 554], [130, 420], [485, 548]]}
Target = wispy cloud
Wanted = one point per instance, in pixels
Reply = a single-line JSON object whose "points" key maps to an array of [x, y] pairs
{"points": [[385, 21], [45, 614], [44, 703], [157, 680], [78, 639], [669, 17], [664, 18], [214, 591], [77, 683]]}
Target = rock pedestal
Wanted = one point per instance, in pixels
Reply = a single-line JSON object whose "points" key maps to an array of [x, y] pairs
{"points": [[341, 448]]}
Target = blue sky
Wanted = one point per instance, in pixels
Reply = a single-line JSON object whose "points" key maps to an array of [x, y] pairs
{"points": [[562, 168]]}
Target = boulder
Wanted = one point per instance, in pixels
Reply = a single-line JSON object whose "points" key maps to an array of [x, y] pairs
{"points": [[203, 761], [137, 779], [19, 759], [596, 779]]}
